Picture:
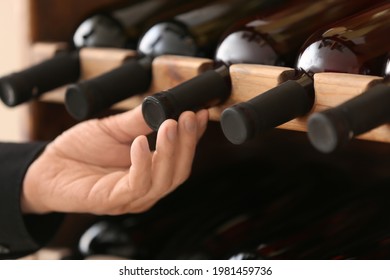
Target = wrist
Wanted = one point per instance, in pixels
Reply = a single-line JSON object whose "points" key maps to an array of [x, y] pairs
{"points": [[31, 200]]}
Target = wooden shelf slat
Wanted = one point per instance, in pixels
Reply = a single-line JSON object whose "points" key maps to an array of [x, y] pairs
{"points": [[96, 61]]}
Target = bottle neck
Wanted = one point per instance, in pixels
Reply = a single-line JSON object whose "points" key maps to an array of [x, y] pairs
{"points": [[146, 62], [332, 129], [304, 78], [289, 100], [223, 71]]}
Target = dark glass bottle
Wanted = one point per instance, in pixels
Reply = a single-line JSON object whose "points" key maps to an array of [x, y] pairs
{"points": [[375, 243], [371, 240], [354, 45], [119, 27], [332, 129], [272, 38], [297, 202], [373, 247], [193, 33], [351, 230]]}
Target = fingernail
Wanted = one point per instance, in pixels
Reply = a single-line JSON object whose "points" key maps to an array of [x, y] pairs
{"points": [[145, 146], [172, 132], [190, 124]]}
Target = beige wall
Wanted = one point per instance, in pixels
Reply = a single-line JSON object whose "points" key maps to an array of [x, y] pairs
{"points": [[13, 56]]}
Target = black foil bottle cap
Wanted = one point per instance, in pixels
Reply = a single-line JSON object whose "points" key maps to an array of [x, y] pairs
{"points": [[8, 92], [156, 109], [238, 123], [328, 131], [78, 101]]}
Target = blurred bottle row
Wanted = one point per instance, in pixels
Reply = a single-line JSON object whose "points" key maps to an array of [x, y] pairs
{"points": [[254, 211]]}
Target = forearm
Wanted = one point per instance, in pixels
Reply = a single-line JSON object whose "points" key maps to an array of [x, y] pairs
{"points": [[19, 233]]}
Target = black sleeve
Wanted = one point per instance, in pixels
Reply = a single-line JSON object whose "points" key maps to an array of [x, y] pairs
{"points": [[20, 234]]}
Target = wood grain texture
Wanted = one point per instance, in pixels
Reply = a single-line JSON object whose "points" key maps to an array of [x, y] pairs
{"points": [[44, 50], [251, 80], [96, 61]]}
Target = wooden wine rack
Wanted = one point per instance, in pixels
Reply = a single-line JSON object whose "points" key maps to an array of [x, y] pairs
{"points": [[248, 81], [50, 25]]}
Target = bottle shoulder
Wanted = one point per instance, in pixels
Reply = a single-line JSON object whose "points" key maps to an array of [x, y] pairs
{"points": [[357, 45], [387, 68], [246, 45], [100, 30], [341, 55], [168, 37], [328, 55]]}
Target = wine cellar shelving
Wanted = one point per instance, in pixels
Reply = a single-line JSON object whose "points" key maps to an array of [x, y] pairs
{"points": [[50, 25]]}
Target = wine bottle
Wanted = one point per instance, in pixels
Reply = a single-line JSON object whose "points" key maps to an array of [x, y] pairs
{"points": [[295, 205], [366, 233], [332, 129], [194, 33], [370, 245], [343, 233], [374, 244], [358, 218], [356, 228], [359, 232], [114, 28], [373, 247], [272, 38], [354, 45]]}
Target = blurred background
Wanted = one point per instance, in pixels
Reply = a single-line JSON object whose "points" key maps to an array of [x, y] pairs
{"points": [[12, 16]]}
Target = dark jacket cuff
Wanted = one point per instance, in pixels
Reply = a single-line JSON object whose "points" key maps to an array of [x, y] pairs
{"points": [[20, 234]]}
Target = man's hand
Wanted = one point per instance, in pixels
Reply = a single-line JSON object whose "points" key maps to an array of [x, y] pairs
{"points": [[105, 166]]}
